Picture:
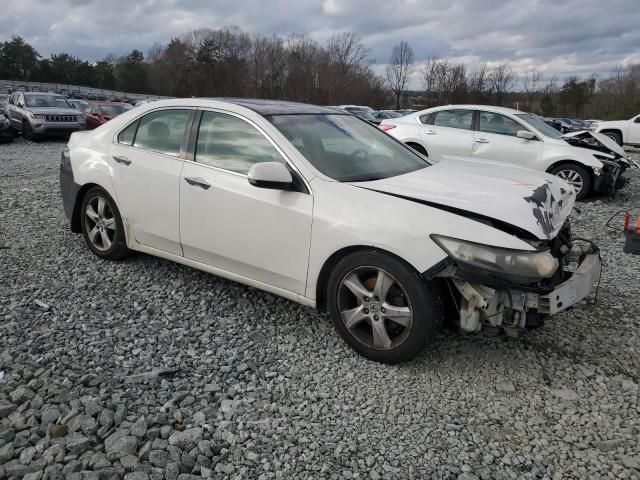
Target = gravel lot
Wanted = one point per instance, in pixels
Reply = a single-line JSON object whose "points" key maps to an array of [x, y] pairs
{"points": [[148, 369]]}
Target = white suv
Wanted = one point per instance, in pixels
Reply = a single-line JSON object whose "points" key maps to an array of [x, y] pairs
{"points": [[623, 132], [511, 136]]}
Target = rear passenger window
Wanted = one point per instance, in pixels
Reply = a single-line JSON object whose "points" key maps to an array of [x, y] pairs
{"points": [[162, 131], [227, 142], [462, 119], [127, 135]]}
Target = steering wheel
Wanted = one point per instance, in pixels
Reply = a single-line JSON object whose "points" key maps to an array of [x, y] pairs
{"points": [[359, 151]]}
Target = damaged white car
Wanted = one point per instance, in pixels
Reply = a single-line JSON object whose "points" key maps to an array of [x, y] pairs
{"points": [[480, 132], [326, 210]]}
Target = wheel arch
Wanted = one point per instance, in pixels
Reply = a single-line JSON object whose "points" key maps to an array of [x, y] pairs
{"points": [[332, 261], [77, 204], [557, 163], [616, 130], [421, 148]]}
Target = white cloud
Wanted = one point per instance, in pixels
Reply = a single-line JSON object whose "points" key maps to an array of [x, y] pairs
{"points": [[558, 37]]}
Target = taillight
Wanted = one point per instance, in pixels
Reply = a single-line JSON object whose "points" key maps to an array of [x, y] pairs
{"points": [[385, 127]]}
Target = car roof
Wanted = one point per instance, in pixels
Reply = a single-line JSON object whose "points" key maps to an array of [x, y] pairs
{"points": [[275, 107], [489, 108]]}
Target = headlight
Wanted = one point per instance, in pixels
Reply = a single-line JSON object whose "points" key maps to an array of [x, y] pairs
{"points": [[520, 265], [593, 127], [39, 116]]}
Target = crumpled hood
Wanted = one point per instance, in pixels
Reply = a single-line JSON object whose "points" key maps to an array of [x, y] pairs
{"points": [[54, 111], [595, 141], [533, 201]]}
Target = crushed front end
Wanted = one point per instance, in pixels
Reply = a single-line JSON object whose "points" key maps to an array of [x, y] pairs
{"points": [[498, 290]]}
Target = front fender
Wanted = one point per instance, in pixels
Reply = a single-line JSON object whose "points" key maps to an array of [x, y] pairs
{"points": [[577, 155]]}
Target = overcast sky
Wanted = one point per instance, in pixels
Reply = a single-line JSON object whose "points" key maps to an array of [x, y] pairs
{"points": [[561, 37]]}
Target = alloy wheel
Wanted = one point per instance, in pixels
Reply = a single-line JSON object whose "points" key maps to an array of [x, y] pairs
{"points": [[573, 178], [375, 308], [100, 223]]}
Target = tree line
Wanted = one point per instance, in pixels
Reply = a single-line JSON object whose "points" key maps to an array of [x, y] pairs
{"points": [[231, 62]]}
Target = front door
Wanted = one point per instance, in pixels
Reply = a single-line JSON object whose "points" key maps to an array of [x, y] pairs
{"points": [[496, 139], [227, 223]]}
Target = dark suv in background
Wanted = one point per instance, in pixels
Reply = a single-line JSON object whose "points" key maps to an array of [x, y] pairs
{"points": [[37, 114]]}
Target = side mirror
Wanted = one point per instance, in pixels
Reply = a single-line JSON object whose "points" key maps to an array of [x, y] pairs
{"points": [[525, 134], [274, 175]]}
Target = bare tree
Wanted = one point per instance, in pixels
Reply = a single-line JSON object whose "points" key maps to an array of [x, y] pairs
{"points": [[430, 78], [399, 69], [501, 80], [346, 58], [532, 85], [477, 84]]}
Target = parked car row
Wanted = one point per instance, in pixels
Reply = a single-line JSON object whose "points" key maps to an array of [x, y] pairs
{"points": [[588, 161], [234, 186], [39, 114]]}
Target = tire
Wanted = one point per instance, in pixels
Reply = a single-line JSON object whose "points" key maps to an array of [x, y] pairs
{"points": [[575, 175], [106, 242], [386, 285], [418, 148], [27, 132], [615, 136]]}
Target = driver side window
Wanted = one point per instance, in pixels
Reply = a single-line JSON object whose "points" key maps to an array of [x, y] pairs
{"points": [[230, 143], [499, 124]]}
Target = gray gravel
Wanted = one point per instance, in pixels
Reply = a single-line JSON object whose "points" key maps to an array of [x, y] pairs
{"points": [[145, 369]]}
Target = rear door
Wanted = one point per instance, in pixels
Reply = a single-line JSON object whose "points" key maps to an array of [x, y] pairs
{"points": [[146, 163], [496, 139], [447, 133], [227, 223]]}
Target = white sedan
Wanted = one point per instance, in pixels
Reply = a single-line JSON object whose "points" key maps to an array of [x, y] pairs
{"points": [[506, 135], [324, 209]]}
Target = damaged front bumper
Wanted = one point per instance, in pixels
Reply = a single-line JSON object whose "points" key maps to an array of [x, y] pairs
{"points": [[610, 178], [514, 308]]}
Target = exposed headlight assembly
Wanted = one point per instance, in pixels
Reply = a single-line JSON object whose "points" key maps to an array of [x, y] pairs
{"points": [[517, 265]]}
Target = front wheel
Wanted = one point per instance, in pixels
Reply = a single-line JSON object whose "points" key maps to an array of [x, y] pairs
{"points": [[102, 226], [27, 132], [575, 176], [615, 136], [382, 307]]}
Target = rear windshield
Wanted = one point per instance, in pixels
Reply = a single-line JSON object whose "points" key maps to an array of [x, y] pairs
{"points": [[346, 148], [113, 110]]}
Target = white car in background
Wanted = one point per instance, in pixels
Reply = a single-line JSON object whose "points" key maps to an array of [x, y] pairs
{"points": [[623, 132], [511, 136], [322, 208]]}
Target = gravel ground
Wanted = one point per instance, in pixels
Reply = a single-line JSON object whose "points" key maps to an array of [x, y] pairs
{"points": [[148, 369]]}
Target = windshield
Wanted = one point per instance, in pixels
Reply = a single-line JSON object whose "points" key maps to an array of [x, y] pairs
{"points": [[347, 149], [46, 101], [113, 110], [539, 124]]}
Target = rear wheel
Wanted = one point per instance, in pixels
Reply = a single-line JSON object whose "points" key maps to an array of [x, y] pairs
{"points": [[575, 176], [102, 226], [615, 136], [382, 307]]}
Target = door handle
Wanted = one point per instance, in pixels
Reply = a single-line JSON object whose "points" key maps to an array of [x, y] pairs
{"points": [[430, 132], [197, 181], [122, 159], [482, 140]]}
